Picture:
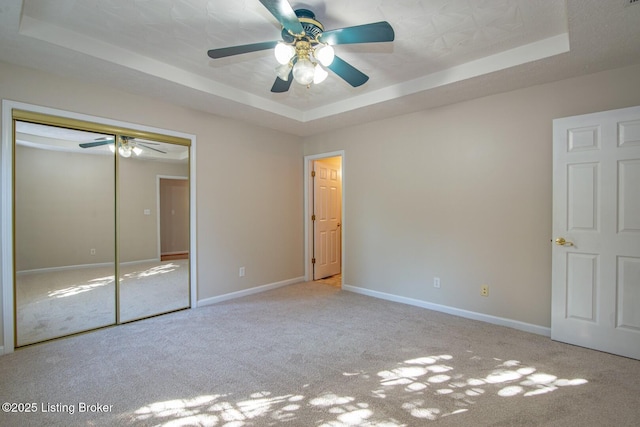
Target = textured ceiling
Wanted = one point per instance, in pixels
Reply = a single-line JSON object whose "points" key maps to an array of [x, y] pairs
{"points": [[445, 51]]}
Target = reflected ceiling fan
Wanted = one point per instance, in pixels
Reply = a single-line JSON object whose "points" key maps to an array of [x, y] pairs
{"points": [[127, 145], [306, 48]]}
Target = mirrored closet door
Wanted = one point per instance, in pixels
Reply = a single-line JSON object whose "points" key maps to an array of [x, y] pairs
{"points": [[92, 203], [154, 230], [64, 218]]}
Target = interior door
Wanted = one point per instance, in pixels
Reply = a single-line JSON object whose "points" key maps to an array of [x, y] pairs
{"points": [[327, 196], [596, 231]]}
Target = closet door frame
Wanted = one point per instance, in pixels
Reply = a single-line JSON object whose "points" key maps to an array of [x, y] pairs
{"points": [[12, 111]]}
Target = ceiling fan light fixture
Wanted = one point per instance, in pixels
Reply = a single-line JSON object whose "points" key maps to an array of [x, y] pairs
{"points": [[284, 52], [304, 71], [305, 45], [137, 151], [325, 54]]}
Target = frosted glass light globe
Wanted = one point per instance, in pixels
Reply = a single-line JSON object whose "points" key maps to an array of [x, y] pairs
{"points": [[303, 72], [284, 52], [283, 71], [124, 151], [319, 75], [325, 54]]}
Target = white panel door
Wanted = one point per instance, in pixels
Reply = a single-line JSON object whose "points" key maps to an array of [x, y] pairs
{"points": [[327, 196], [596, 209]]}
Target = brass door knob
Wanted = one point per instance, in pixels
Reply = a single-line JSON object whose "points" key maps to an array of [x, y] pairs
{"points": [[562, 242]]}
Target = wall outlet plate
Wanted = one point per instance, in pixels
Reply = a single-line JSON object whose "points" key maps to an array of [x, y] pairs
{"points": [[484, 290]]}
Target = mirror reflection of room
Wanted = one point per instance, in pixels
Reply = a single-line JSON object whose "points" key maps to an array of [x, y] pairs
{"points": [[64, 233], [77, 226], [153, 230]]}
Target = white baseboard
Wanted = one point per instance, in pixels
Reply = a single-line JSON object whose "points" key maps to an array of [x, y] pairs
{"points": [[64, 268], [246, 292], [515, 324], [81, 266]]}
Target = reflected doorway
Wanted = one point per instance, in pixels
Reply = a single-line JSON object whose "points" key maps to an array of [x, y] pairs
{"points": [[173, 196]]}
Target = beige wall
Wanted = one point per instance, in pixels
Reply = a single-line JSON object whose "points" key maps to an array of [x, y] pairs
{"points": [[249, 179], [463, 193], [64, 207]]}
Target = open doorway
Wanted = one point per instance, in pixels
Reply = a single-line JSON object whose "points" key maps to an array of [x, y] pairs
{"points": [[325, 219], [173, 212]]}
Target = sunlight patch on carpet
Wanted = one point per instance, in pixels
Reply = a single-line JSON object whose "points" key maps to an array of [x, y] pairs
{"points": [[159, 269], [429, 388], [78, 289]]}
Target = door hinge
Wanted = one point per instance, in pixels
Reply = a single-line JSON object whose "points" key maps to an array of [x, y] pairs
{"points": [[313, 174], [313, 260], [313, 217]]}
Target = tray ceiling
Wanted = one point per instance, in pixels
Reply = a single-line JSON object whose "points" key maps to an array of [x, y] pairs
{"points": [[445, 51]]}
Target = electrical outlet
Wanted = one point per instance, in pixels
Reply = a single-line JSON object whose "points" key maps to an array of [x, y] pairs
{"points": [[484, 290], [92, 251], [241, 272], [436, 282]]}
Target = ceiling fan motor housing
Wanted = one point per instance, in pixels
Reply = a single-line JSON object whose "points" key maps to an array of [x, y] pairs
{"points": [[312, 27]]}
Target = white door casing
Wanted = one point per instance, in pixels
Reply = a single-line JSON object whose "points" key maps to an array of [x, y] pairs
{"points": [[596, 208], [327, 196]]}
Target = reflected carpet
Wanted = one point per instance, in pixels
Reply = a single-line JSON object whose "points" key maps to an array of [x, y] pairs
{"points": [[56, 303]]}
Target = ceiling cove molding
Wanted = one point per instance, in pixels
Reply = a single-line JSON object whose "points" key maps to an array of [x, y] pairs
{"points": [[500, 61], [80, 43]]}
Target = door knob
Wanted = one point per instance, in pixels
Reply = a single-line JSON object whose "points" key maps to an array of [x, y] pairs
{"points": [[562, 242]]}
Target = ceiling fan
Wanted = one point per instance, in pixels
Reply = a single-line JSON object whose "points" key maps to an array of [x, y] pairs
{"points": [[127, 145], [306, 48]]}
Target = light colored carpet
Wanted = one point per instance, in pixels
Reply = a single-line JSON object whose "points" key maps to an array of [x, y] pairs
{"points": [[57, 303], [312, 355]]}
